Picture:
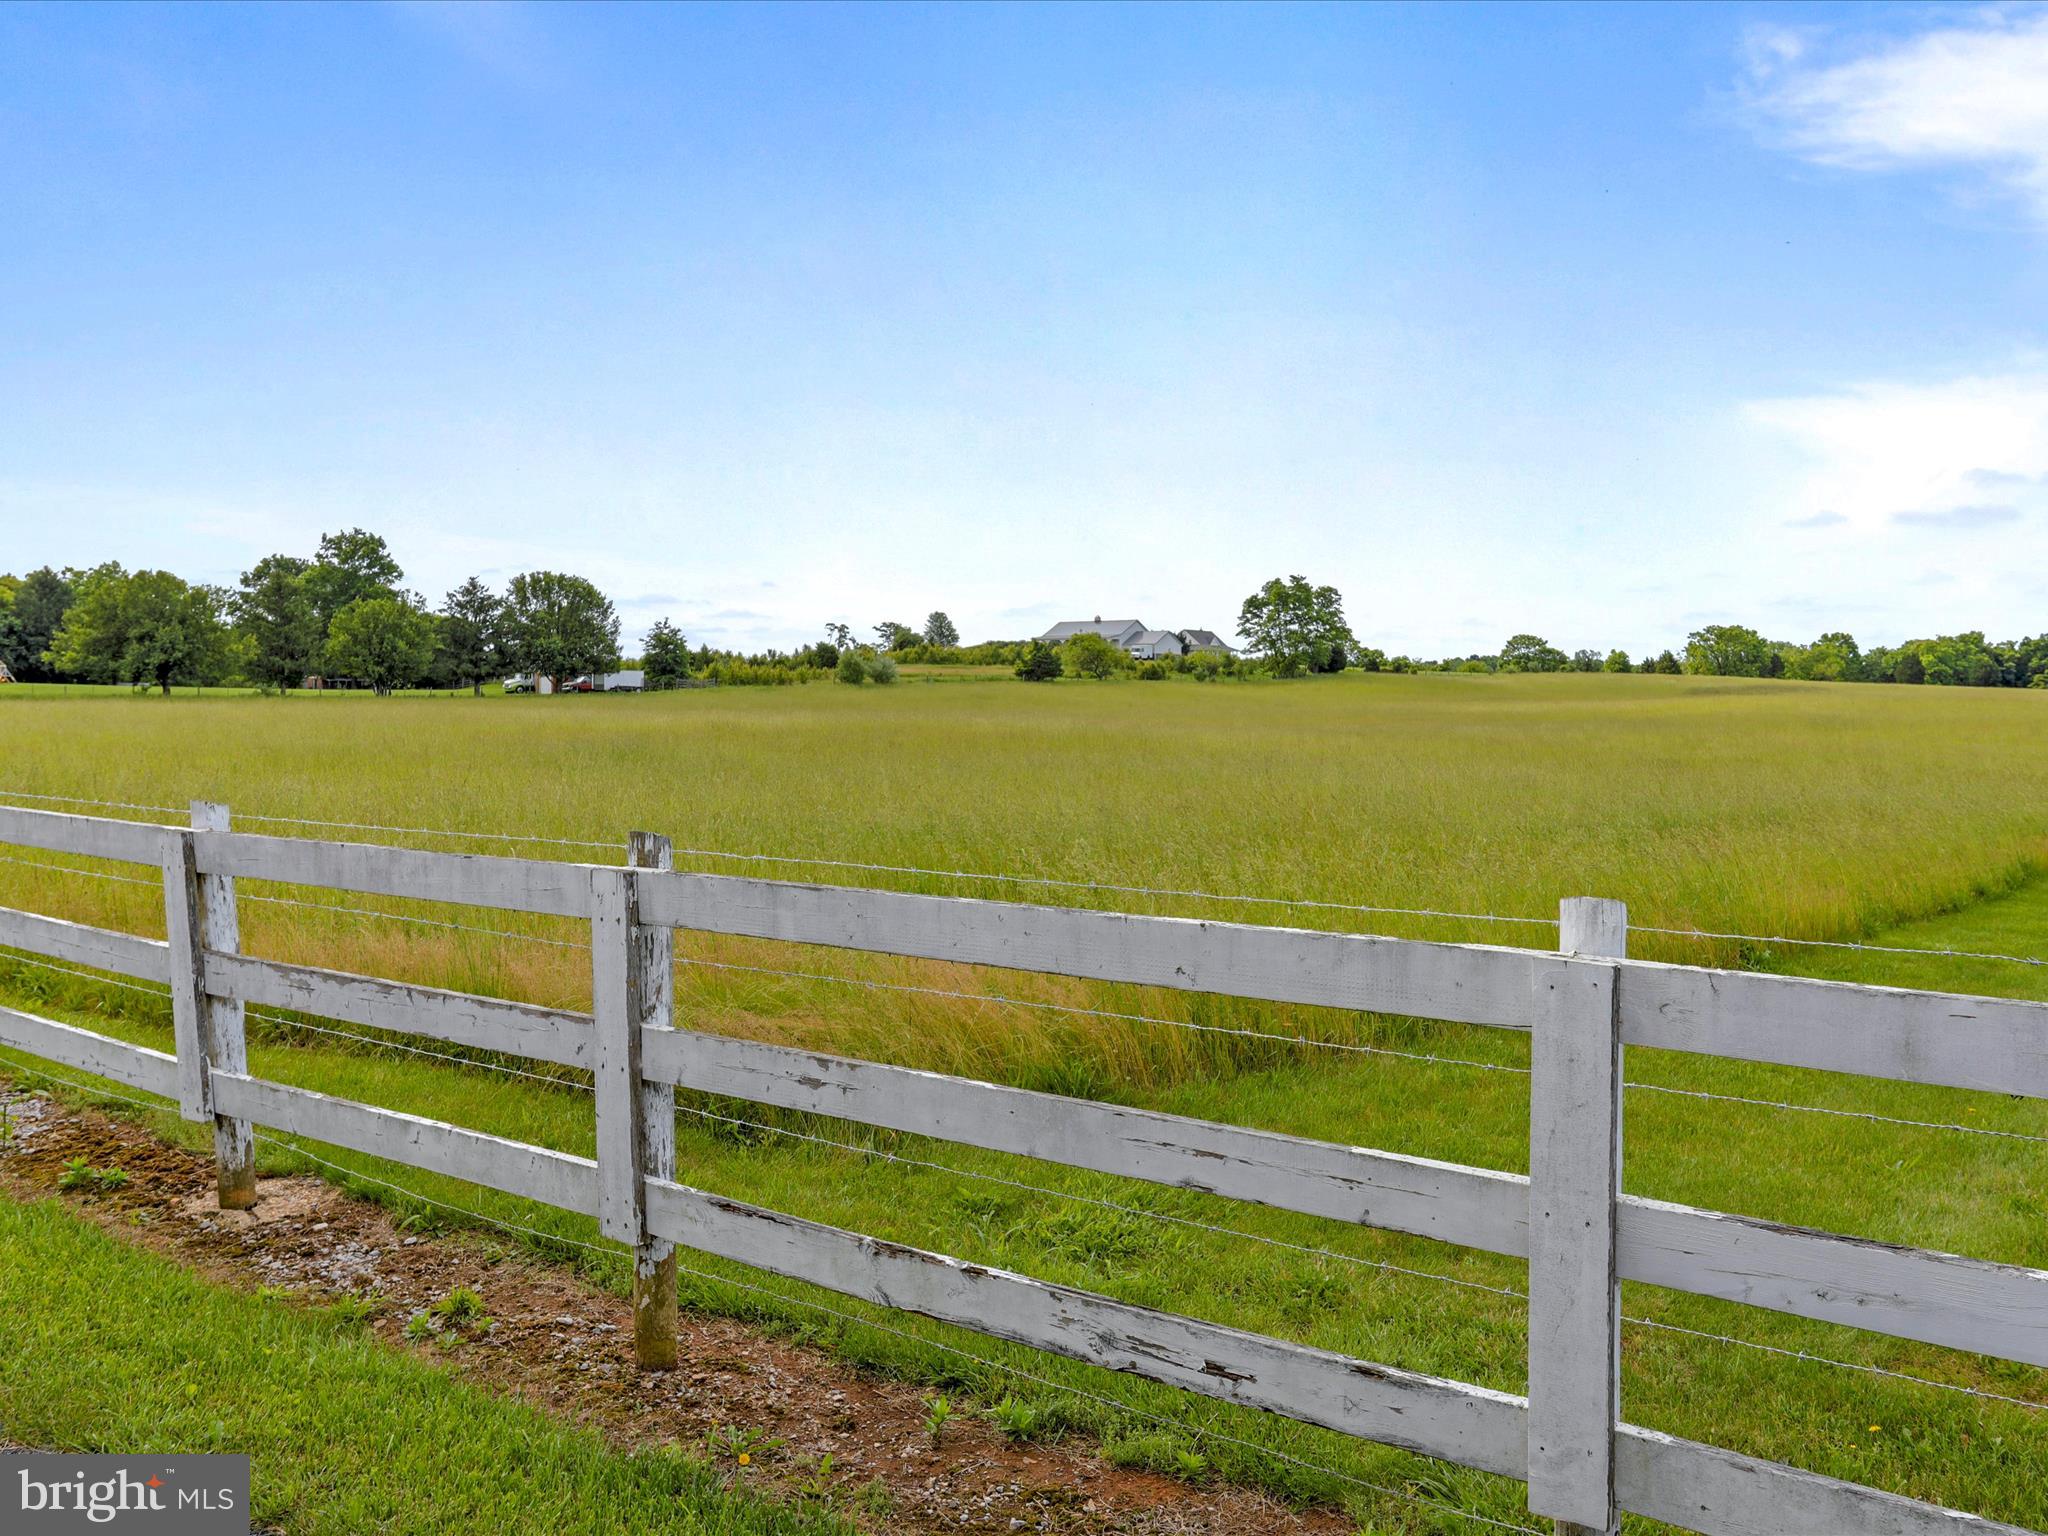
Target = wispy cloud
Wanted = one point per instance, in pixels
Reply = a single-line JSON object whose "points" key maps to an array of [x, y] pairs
{"points": [[1972, 96], [1889, 453], [1958, 517], [502, 37]]}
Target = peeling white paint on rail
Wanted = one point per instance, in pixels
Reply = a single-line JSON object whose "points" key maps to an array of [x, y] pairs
{"points": [[104, 949], [136, 1065], [461, 1018]]}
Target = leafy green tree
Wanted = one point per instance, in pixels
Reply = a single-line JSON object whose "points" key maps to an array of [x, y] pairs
{"points": [[1586, 661], [350, 566], [2026, 662], [1040, 664], [939, 630], [665, 655], [1728, 650], [275, 623], [559, 626], [1089, 655], [148, 628], [469, 632], [1833, 658], [1296, 627], [894, 636], [32, 616], [383, 641], [841, 636], [1908, 668], [1958, 660], [1531, 653], [1667, 664], [1617, 661]]}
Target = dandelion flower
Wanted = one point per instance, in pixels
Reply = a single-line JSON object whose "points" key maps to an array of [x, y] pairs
{"points": [[745, 1459]]}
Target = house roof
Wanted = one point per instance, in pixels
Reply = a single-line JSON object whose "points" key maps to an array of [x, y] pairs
{"points": [[1109, 629], [1203, 637], [1153, 637]]}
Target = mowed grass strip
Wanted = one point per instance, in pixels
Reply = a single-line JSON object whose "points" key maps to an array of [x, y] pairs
{"points": [[110, 1348]]}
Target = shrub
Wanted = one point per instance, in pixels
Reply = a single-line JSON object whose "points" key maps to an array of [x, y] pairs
{"points": [[849, 668], [881, 669], [1151, 672], [1089, 655], [1040, 663]]}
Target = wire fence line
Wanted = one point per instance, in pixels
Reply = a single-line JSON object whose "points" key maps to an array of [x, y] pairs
{"points": [[1056, 882], [1312, 1251], [618, 1252], [1156, 1215], [994, 999], [1511, 1292], [91, 874], [1878, 949]]}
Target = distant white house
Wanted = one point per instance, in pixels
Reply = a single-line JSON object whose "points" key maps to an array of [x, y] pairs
{"points": [[1118, 632], [1132, 637]]}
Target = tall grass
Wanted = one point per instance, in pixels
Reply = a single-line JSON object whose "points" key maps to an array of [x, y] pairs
{"points": [[1798, 809]]}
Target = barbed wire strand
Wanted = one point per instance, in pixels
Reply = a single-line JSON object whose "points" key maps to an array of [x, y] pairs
{"points": [[1067, 884], [616, 844], [1845, 1114], [1880, 949], [1507, 1291], [998, 999], [1344, 1258], [406, 917], [119, 805], [1095, 1200], [91, 874], [616, 1251], [1843, 1365]]}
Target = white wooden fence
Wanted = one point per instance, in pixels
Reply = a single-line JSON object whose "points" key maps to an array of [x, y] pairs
{"points": [[1582, 1236]]}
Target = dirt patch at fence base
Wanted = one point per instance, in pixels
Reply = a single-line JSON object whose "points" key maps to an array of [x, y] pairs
{"points": [[567, 1346]]}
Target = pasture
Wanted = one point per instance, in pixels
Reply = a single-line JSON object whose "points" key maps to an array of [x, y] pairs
{"points": [[1911, 815]]}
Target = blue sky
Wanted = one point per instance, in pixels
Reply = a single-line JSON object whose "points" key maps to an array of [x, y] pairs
{"points": [[1603, 322]]}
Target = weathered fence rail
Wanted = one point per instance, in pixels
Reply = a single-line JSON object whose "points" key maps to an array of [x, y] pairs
{"points": [[1567, 1217]]}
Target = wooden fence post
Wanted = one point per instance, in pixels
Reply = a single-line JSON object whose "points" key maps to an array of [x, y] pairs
{"points": [[1574, 1181], [654, 1258], [628, 989], [199, 914]]}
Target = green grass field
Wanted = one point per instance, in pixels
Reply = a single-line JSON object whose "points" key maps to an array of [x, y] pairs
{"points": [[1912, 816], [133, 1354]]}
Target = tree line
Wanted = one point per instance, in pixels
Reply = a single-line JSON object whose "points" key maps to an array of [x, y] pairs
{"points": [[1735, 650], [340, 616], [343, 616]]}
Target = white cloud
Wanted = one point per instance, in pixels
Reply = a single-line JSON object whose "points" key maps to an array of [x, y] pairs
{"points": [[1905, 454], [1971, 96]]}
